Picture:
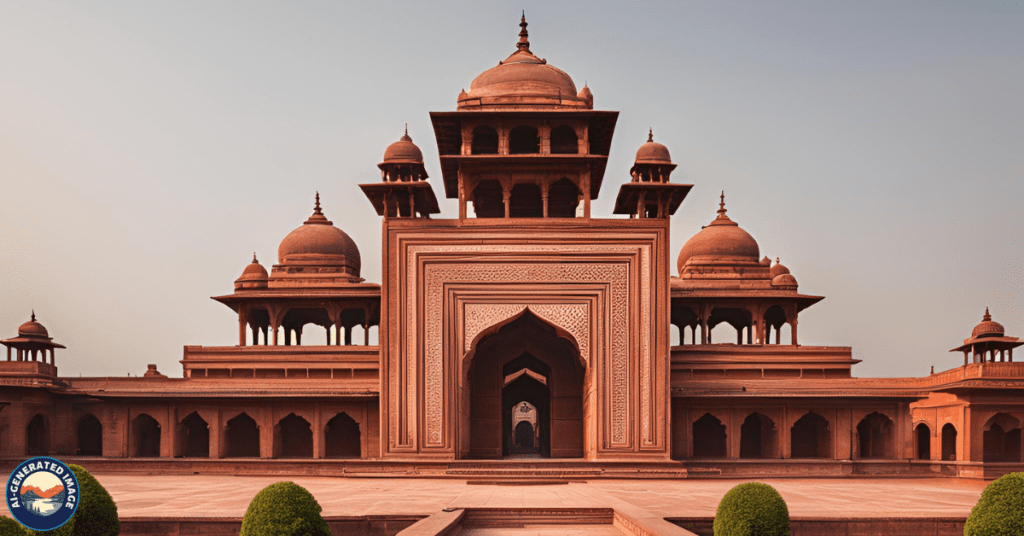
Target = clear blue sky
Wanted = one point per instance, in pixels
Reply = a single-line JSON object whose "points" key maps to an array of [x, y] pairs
{"points": [[148, 148]]}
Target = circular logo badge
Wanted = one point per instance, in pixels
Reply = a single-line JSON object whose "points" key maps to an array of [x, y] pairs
{"points": [[42, 493]]}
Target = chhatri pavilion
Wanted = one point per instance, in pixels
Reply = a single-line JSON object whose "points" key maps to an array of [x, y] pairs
{"points": [[524, 334]]}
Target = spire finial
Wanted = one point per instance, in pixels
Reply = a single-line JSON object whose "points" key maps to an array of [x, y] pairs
{"points": [[650, 135], [254, 261], [34, 314], [406, 136], [777, 261], [316, 206], [987, 316], [524, 41], [721, 204]]}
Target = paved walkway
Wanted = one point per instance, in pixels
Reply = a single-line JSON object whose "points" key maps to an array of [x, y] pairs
{"points": [[227, 496]]}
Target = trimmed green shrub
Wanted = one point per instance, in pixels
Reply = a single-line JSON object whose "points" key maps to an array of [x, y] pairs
{"points": [[284, 509], [10, 527], [96, 514], [752, 509], [1000, 509]]}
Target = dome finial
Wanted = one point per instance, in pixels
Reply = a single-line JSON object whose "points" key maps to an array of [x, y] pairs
{"points": [[316, 206], [650, 135], [254, 261], [721, 206], [986, 318], [34, 314], [777, 261], [406, 137], [524, 41]]}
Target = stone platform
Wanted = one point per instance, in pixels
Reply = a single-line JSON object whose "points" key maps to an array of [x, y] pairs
{"points": [[390, 505]]}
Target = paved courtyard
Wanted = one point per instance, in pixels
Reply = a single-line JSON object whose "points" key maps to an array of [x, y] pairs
{"points": [[227, 496]]}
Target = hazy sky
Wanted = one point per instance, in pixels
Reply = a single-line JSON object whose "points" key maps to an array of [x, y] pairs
{"points": [[148, 148]]}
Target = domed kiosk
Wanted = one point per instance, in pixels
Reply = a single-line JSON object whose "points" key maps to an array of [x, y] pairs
{"points": [[988, 343], [32, 345]]}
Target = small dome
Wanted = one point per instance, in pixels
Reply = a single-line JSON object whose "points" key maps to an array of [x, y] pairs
{"points": [[652, 152], [778, 269], [784, 280], [33, 329], [524, 79], [988, 327], [765, 261], [585, 94], [254, 276], [722, 238], [319, 239], [403, 151]]}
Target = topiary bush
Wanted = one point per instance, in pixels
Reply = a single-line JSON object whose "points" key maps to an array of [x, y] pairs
{"points": [[96, 514], [752, 509], [1000, 509], [284, 509], [10, 527]]}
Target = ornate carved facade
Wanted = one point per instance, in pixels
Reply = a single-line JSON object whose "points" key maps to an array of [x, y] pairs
{"points": [[523, 328]]}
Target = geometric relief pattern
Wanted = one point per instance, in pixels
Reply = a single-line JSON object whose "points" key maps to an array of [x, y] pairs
{"points": [[616, 275], [572, 317]]}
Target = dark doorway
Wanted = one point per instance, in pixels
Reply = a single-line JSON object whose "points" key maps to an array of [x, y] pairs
{"points": [[875, 435], [145, 437], [563, 198], [525, 201], [810, 437], [564, 140], [758, 437], [242, 437], [90, 436], [194, 436], [526, 360], [708, 437], [1001, 439], [293, 438], [523, 140], [342, 437], [924, 442], [37, 437], [949, 442], [485, 141]]}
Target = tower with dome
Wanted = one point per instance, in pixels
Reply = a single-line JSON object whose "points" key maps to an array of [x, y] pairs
{"points": [[523, 327]]}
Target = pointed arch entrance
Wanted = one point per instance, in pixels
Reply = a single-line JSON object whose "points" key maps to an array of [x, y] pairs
{"points": [[523, 392]]}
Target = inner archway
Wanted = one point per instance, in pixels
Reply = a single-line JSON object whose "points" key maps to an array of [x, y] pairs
{"points": [[524, 360], [90, 436]]}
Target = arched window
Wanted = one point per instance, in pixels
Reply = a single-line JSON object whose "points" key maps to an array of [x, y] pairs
{"points": [[810, 437], [526, 201], [924, 441], [485, 141], [758, 437], [563, 198], [145, 437], [293, 438], [90, 436], [342, 438], [708, 437], [194, 436], [1001, 439], [523, 140], [564, 140], [949, 442], [37, 436], [242, 437], [489, 199], [876, 437]]}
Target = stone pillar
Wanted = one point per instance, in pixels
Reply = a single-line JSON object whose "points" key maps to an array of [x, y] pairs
{"points": [[216, 434], [318, 433], [266, 433], [242, 322], [793, 324]]}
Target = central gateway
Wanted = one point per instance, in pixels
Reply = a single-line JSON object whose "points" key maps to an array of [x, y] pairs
{"points": [[524, 328]]}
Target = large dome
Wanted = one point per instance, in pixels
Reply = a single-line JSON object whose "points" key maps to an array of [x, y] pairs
{"points": [[524, 79], [988, 327], [33, 329], [319, 240], [722, 239], [652, 152], [403, 151]]}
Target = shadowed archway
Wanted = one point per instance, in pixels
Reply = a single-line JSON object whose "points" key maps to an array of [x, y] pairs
{"points": [[90, 436], [341, 437], [524, 359], [242, 437], [145, 437]]}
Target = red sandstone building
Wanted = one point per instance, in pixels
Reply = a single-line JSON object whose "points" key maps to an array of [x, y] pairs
{"points": [[524, 328]]}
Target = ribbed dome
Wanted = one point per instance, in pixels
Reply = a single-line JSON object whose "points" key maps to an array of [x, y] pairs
{"points": [[524, 79], [319, 239], [33, 329], [254, 276], [778, 269], [988, 327], [403, 151], [722, 238], [652, 152]]}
